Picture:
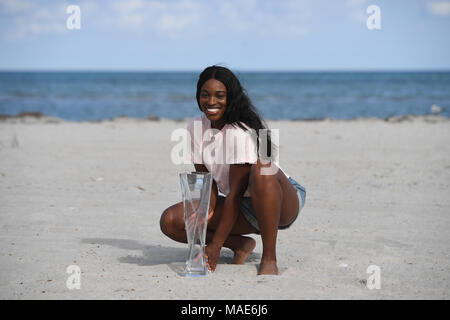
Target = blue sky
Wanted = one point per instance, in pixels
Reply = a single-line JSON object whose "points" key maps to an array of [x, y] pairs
{"points": [[240, 34]]}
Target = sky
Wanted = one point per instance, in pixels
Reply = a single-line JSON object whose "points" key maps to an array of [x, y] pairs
{"points": [[285, 35]]}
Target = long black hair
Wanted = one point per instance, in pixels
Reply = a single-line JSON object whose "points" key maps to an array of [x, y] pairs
{"points": [[239, 106]]}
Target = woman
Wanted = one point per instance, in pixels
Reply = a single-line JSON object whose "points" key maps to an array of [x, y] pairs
{"points": [[254, 201]]}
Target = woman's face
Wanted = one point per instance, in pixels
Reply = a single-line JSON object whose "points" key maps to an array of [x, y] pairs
{"points": [[213, 99]]}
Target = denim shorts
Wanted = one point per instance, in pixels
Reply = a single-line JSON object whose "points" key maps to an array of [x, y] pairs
{"points": [[249, 212]]}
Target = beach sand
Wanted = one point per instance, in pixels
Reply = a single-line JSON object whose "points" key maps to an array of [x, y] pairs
{"points": [[91, 194]]}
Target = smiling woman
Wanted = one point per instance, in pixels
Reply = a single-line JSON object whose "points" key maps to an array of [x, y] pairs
{"points": [[253, 201], [223, 100], [213, 101]]}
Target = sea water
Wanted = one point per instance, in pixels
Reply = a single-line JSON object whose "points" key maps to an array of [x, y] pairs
{"points": [[80, 96]]}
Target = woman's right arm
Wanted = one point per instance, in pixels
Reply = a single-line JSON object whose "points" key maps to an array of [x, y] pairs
{"points": [[214, 190]]}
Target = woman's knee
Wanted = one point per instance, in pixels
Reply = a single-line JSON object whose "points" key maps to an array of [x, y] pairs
{"points": [[170, 220], [258, 178]]}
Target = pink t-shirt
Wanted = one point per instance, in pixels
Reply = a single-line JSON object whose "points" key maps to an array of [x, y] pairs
{"points": [[216, 150]]}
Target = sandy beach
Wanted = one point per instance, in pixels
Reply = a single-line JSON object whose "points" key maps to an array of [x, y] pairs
{"points": [[90, 194]]}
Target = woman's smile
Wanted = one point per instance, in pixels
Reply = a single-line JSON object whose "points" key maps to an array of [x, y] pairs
{"points": [[213, 102], [213, 110]]}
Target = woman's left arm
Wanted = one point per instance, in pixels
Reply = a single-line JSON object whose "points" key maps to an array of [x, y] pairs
{"points": [[239, 177]]}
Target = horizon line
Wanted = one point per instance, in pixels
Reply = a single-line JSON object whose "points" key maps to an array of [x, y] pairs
{"points": [[234, 70]]}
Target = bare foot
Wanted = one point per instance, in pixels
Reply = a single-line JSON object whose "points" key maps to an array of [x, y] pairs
{"points": [[268, 267], [242, 252]]}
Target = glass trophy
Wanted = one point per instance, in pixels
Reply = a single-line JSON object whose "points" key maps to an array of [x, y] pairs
{"points": [[196, 192]]}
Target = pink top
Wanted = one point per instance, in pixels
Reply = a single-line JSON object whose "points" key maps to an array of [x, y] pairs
{"points": [[216, 150]]}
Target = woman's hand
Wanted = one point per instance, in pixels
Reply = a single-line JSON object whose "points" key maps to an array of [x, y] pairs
{"points": [[212, 253]]}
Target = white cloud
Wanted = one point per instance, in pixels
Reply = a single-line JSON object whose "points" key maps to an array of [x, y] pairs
{"points": [[130, 5], [356, 10], [30, 19], [355, 3], [288, 18], [188, 17], [13, 6], [358, 16], [164, 17], [173, 23], [440, 8], [179, 18], [129, 13]]}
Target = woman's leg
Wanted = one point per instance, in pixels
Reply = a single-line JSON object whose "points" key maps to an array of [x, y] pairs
{"points": [[172, 225], [275, 202]]}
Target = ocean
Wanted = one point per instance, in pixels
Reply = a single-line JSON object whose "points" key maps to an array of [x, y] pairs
{"points": [[80, 96]]}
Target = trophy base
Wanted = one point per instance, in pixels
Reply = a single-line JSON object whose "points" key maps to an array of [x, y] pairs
{"points": [[195, 274]]}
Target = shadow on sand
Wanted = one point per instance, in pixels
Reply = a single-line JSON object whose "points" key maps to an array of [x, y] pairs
{"points": [[152, 255]]}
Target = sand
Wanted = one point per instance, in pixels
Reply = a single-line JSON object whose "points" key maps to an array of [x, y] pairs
{"points": [[90, 194]]}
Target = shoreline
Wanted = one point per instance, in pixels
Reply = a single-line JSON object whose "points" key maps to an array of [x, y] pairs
{"points": [[32, 117]]}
